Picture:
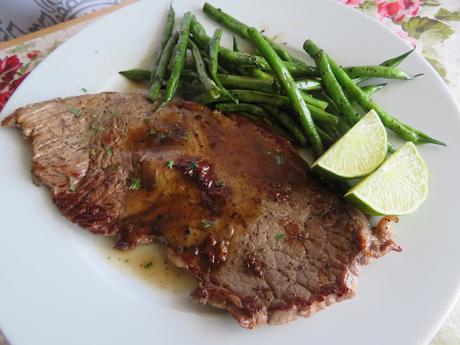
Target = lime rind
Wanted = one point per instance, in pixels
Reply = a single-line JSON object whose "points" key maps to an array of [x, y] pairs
{"points": [[358, 153], [399, 186]]}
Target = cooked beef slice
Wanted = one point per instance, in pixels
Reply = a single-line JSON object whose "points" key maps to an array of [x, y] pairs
{"points": [[231, 199]]}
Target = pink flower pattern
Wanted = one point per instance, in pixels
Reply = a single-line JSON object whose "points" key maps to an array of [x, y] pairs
{"points": [[397, 10], [12, 74], [352, 3]]}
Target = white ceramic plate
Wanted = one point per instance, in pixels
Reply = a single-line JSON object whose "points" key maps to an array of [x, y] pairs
{"points": [[56, 285]]}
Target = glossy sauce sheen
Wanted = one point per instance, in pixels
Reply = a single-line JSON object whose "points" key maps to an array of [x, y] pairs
{"points": [[195, 193], [150, 263]]}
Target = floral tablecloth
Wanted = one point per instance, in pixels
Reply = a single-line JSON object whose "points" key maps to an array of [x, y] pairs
{"points": [[432, 26]]}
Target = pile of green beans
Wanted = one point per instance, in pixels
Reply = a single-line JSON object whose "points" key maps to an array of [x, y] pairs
{"points": [[313, 105]]}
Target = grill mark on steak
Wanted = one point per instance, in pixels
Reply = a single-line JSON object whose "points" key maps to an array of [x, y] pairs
{"points": [[237, 207]]}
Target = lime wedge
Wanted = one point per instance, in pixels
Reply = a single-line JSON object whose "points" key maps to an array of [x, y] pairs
{"points": [[399, 186], [358, 153]]}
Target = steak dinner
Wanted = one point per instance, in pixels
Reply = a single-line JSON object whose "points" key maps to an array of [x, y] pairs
{"points": [[232, 201]]}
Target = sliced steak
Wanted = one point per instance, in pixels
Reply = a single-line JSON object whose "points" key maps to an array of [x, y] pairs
{"points": [[232, 200]]}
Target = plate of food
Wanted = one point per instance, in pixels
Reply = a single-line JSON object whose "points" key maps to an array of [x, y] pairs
{"points": [[200, 166]]}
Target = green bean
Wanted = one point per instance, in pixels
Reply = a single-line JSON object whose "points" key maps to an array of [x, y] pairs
{"points": [[189, 74], [378, 72], [308, 84], [334, 89], [288, 122], [189, 89], [278, 129], [332, 107], [240, 28], [259, 74], [241, 107], [211, 88], [369, 90], [289, 86], [326, 137], [245, 60], [243, 82], [136, 74], [248, 115], [404, 131], [214, 51], [214, 56], [252, 96], [179, 58], [166, 36], [207, 61], [394, 62], [295, 68], [323, 116], [236, 47], [157, 77], [314, 101]]}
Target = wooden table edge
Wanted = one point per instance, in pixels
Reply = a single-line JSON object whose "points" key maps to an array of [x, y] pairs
{"points": [[64, 25]]}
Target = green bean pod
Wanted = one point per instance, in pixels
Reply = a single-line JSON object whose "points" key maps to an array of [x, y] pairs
{"points": [[253, 96], [178, 64], [404, 131], [334, 90], [378, 72], [236, 46], [318, 103], [241, 107], [394, 62], [246, 60], [244, 82], [166, 36], [136, 74], [214, 57], [308, 84], [287, 121], [240, 28], [369, 90], [211, 88], [158, 76]]}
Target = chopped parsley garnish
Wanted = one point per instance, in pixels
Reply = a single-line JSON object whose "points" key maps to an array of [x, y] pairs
{"points": [[84, 89], [96, 127], [72, 184], [92, 152], [135, 184], [163, 136], [113, 113], [280, 236], [278, 157], [109, 151], [147, 265], [75, 111], [193, 166], [206, 223], [170, 164]]}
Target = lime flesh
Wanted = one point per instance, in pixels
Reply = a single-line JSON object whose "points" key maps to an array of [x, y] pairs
{"points": [[399, 186], [358, 153]]}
